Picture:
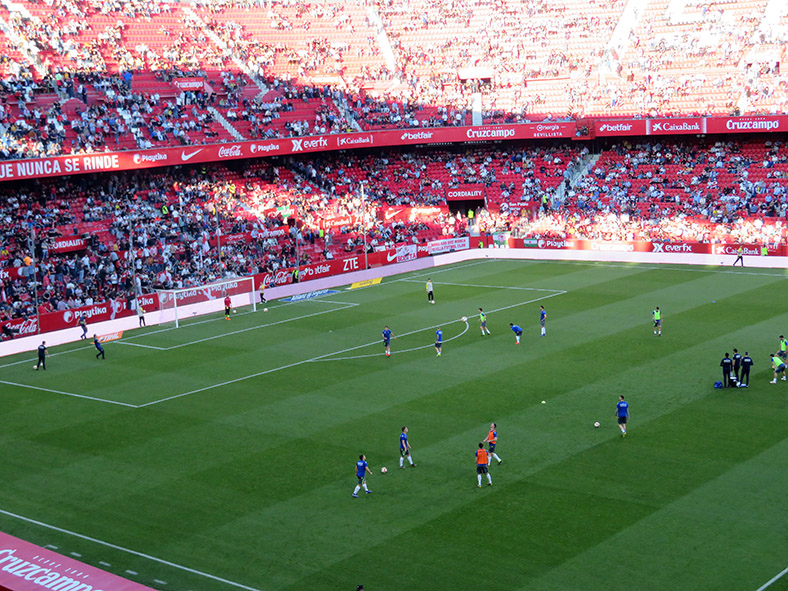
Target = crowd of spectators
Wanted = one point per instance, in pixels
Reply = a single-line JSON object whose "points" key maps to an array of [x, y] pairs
{"points": [[74, 82], [195, 225]]}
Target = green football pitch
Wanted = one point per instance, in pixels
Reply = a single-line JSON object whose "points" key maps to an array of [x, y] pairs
{"points": [[221, 455]]}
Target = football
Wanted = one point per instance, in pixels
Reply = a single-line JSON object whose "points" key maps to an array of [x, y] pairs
{"points": [[265, 309], [383, 470], [35, 367], [465, 319], [596, 424]]}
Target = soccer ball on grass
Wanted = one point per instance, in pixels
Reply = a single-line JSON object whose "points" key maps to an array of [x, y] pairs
{"points": [[596, 425], [465, 319], [383, 470]]}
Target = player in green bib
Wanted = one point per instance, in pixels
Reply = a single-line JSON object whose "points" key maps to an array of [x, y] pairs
{"points": [[483, 322], [657, 315], [783, 353], [779, 368]]}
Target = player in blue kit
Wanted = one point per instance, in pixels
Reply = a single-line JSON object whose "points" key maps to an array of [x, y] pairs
{"points": [[622, 412], [99, 348], [518, 332], [404, 449], [361, 472], [387, 336], [543, 320], [438, 340]]}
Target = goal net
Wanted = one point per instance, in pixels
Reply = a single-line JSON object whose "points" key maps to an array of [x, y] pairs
{"points": [[176, 305]]}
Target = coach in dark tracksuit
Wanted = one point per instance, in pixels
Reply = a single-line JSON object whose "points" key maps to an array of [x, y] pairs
{"points": [[727, 365], [736, 363], [746, 364], [42, 355]]}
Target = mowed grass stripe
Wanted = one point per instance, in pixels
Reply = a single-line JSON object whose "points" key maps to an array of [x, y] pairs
{"points": [[398, 388], [639, 492], [558, 421]]}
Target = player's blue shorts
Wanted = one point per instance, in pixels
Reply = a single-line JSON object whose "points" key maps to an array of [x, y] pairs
{"points": [[360, 479], [491, 446], [622, 420], [541, 322], [783, 354], [438, 344], [780, 368], [403, 452], [481, 469], [484, 324], [386, 342], [657, 323], [519, 333]]}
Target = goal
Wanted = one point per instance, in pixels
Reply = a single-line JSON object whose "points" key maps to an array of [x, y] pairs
{"points": [[175, 305]]}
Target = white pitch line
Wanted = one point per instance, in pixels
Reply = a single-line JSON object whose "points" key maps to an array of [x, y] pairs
{"points": [[69, 394], [467, 326], [34, 359], [128, 551], [258, 327], [130, 344], [773, 580], [322, 357], [490, 286], [778, 273]]}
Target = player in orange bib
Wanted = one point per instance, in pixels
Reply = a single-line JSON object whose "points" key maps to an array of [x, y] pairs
{"points": [[491, 440], [482, 465]]}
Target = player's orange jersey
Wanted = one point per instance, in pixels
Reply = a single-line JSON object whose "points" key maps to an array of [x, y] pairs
{"points": [[481, 457], [492, 437]]}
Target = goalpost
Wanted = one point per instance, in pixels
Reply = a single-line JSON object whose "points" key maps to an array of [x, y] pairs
{"points": [[176, 305]]}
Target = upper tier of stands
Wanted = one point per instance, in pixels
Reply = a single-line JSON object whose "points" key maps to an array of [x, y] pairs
{"points": [[88, 75]]}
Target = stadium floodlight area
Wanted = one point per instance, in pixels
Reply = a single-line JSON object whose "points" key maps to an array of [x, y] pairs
{"points": [[175, 305]]}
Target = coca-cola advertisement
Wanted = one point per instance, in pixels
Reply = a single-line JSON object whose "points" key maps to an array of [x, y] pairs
{"points": [[19, 327]]}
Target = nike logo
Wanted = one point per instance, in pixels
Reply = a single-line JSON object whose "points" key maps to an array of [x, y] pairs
{"points": [[390, 214], [391, 256], [185, 156]]}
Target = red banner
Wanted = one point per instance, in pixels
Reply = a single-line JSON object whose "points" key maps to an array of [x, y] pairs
{"points": [[189, 83], [679, 125], [619, 128], [171, 156], [11, 273], [750, 124], [63, 319], [638, 246], [27, 567], [466, 193], [69, 244]]}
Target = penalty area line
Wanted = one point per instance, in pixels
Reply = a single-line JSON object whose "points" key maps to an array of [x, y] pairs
{"points": [[127, 551], [774, 579], [126, 404], [467, 327]]}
